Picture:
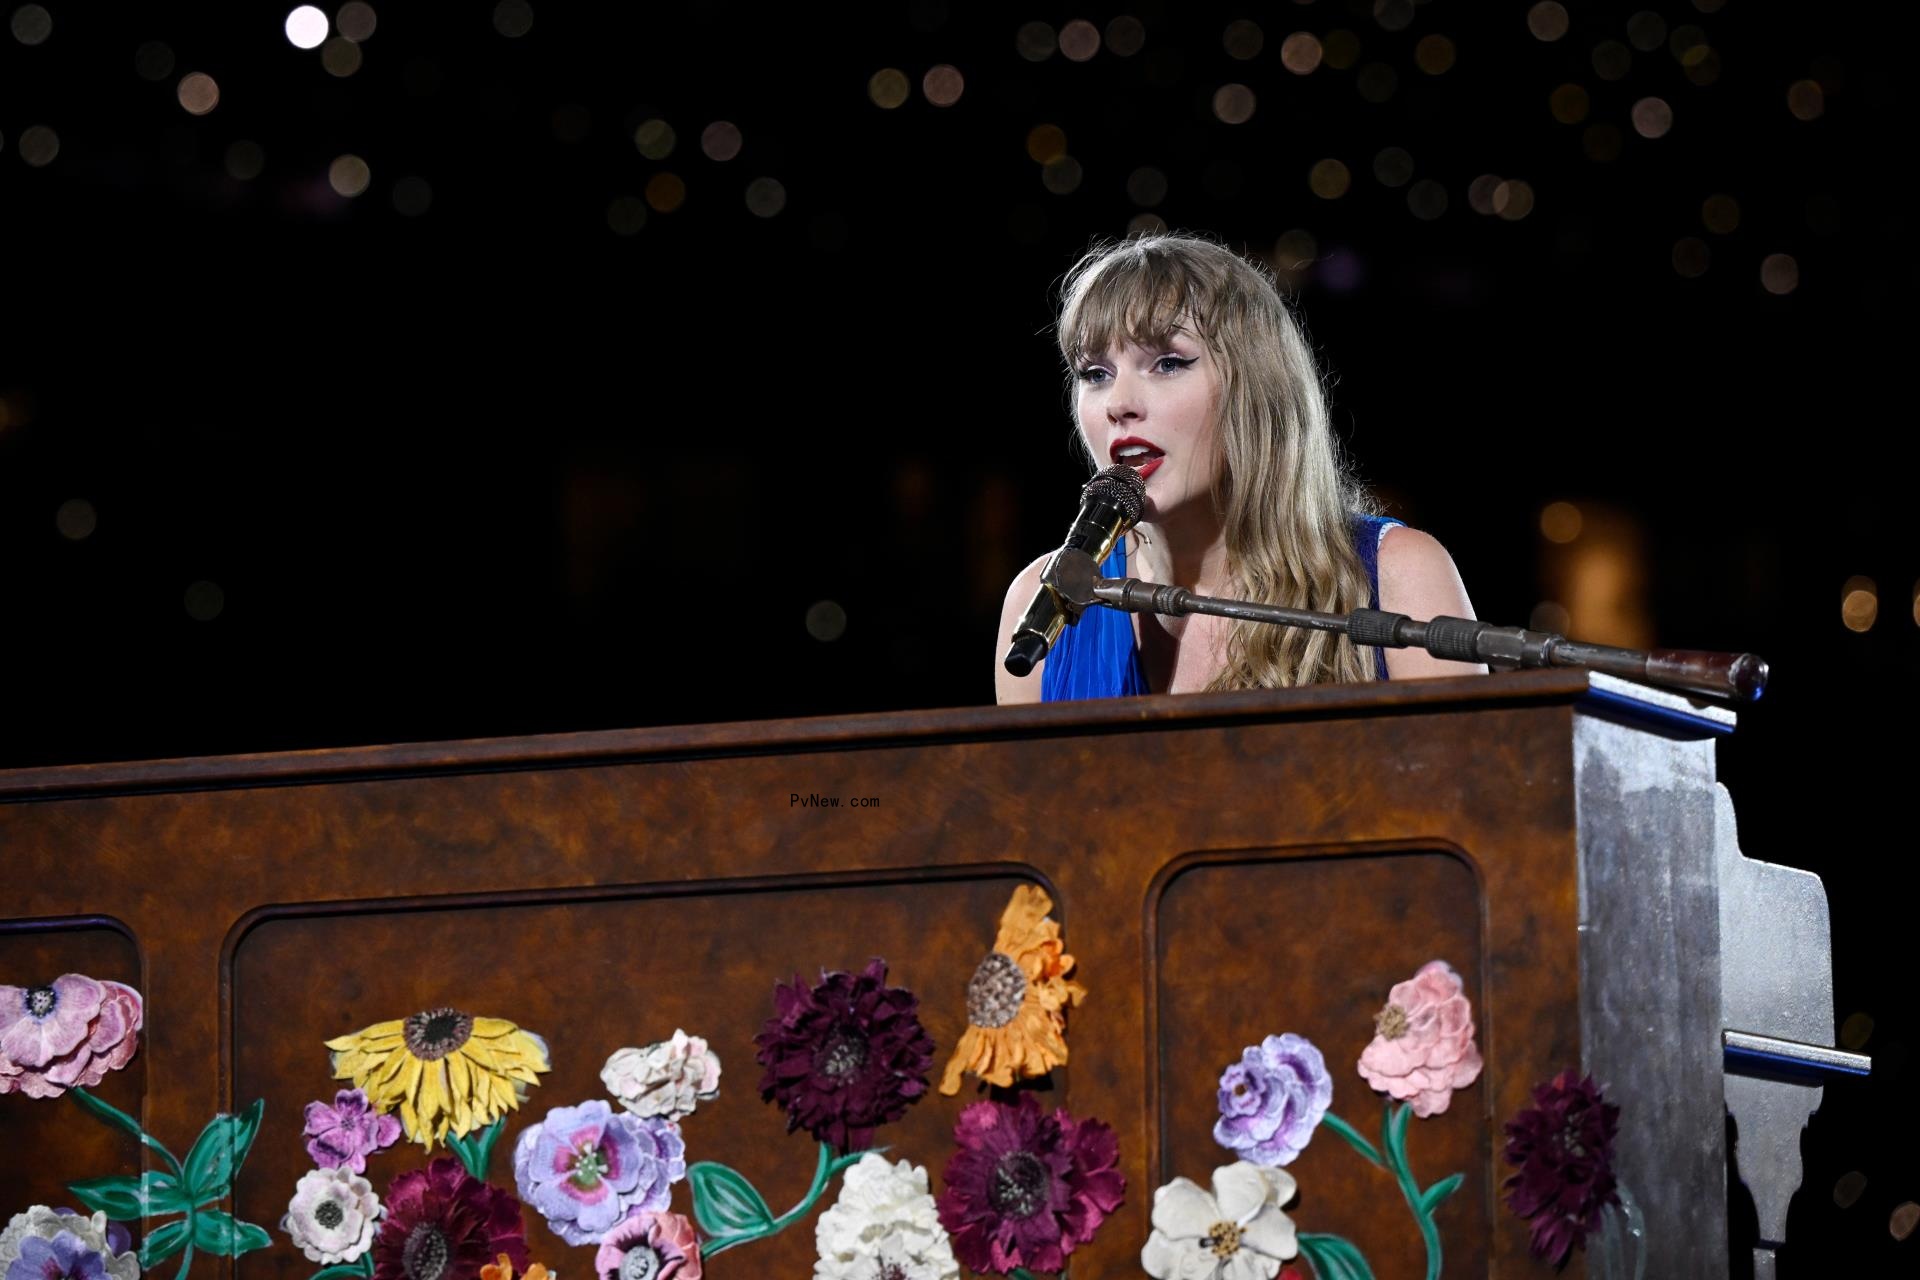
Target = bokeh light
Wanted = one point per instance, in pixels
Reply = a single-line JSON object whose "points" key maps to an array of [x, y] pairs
{"points": [[341, 57], [1779, 273], [1233, 103], [356, 21], [1480, 193], [1683, 39], [1859, 603], [1856, 1031], [1434, 55], [1393, 167], [1377, 82], [666, 192], [513, 18], [1062, 175], [1691, 257], [203, 601], [1646, 31], [349, 176], [1806, 100], [31, 24], [943, 85], [1079, 41], [412, 196], [626, 215], [721, 140], [1300, 53], [1612, 60], [888, 88], [1046, 143], [1902, 1221], [766, 197], [1569, 103], [1243, 39], [1329, 179], [1720, 214], [1513, 200], [1427, 200], [1126, 36], [1393, 15], [1035, 41], [39, 145], [245, 161], [1652, 118], [1295, 251], [1146, 224], [826, 621], [1340, 50], [1548, 21], [1702, 64], [654, 139], [153, 61], [198, 93], [306, 27], [1848, 1190], [1550, 616], [1560, 522], [76, 519], [1146, 187]]}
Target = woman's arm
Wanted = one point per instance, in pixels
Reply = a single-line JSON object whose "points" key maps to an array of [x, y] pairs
{"points": [[1009, 688], [1418, 578]]}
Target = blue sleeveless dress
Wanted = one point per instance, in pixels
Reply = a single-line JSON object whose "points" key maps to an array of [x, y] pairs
{"points": [[1096, 657]]}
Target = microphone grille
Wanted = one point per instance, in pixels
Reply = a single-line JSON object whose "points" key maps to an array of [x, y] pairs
{"points": [[1121, 485]]}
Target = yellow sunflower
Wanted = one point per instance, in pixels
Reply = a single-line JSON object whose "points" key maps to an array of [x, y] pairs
{"points": [[1017, 1000], [445, 1070]]}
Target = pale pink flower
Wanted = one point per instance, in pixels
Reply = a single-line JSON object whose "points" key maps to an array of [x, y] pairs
{"points": [[668, 1079], [1424, 1049], [68, 1033]]}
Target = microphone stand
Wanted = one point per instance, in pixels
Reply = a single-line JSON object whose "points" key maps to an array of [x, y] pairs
{"points": [[1075, 577]]}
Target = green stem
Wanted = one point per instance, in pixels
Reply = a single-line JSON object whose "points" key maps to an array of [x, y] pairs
{"points": [[108, 1111], [823, 1174], [186, 1258], [1353, 1138], [1019, 1273], [1397, 1160]]}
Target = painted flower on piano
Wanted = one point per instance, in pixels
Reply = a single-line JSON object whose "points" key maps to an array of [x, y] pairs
{"points": [[65, 1034], [1238, 1232], [1017, 999], [1563, 1147], [443, 1070], [669, 1078], [1272, 1100], [442, 1223], [652, 1246], [885, 1223], [586, 1167], [1423, 1046]]}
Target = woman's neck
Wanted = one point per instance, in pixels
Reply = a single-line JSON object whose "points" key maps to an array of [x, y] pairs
{"points": [[1190, 553]]}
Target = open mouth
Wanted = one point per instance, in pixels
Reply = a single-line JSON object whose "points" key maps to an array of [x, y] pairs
{"points": [[1139, 455]]}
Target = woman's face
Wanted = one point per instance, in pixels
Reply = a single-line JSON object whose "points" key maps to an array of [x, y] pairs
{"points": [[1156, 409]]}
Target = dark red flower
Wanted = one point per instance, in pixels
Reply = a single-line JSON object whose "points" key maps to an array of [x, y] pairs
{"points": [[1026, 1189], [845, 1056], [444, 1224], [1564, 1149]]}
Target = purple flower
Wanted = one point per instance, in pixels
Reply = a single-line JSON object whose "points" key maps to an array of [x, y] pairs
{"points": [[1272, 1099], [345, 1134], [65, 1257], [587, 1167], [72, 1031], [846, 1056], [1564, 1149], [1026, 1189]]}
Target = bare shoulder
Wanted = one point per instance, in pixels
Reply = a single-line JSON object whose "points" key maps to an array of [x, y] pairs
{"points": [[1419, 578], [1009, 688]]}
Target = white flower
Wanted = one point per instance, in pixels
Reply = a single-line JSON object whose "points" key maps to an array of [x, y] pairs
{"points": [[46, 1223], [883, 1224], [666, 1079], [1237, 1233], [332, 1215]]}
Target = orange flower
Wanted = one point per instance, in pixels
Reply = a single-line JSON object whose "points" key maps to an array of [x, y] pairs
{"points": [[503, 1270], [1017, 1001]]}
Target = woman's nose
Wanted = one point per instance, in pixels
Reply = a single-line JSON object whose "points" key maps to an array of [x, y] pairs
{"points": [[1124, 401]]}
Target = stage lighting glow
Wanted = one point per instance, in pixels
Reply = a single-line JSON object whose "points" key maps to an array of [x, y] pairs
{"points": [[1480, 193], [1046, 143], [1393, 167], [721, 140], [1548, 21], [1569, 103], [1329, 179], [1233, 103], [888, 88], [1902, 1221], [1300, 53], [1702, 64], [340, 56], [412, 196], [1035, 41], [1427, 200], [1126, 36], [826, 621], [765, 197], [1685, 38], [666, 192], [39, 144], [1340, 50], [1806, 100], [1612, 60], [943, 85], [198, 93], [204, 601], [1393, 15], [1691, 257], [1720, 214], [1062, 175], [1646, 31], [1551, 616], [1079, 40], [1856, 1031], [1560, 522], [1434, 55], [1146, 187], [1377, 82], [1779, 273], [76, 519], [1151, 224], [356, 21], [306, 27], [153, 61], [513, 18], [1513, 200], [1859, 603], [654, 139], [1602, 143], [1652, 118], [349, 176], [1243, 39], [32, 24], [626, 215], [245, 161]]}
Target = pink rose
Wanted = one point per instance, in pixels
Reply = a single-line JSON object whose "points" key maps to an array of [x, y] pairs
{"points": [[1424, 1047]]}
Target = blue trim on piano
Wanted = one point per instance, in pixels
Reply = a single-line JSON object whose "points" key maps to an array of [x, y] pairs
{"points": [[1619, 706]]}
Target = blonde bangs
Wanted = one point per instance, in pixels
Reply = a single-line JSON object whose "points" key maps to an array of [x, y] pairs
{"points": [[1117, 297]]}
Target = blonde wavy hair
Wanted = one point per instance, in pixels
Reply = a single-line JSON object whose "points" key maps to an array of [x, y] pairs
{"points": [[1285, 496]]}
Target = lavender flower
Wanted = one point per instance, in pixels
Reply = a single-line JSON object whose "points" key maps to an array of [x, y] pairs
{"points": [[1272, 1099], [65, 1257], [586, 1167], [345, 1134]]}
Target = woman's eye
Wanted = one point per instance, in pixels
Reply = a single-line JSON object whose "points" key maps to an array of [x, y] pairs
{"points": [[1173, 364], [1093, 373]]}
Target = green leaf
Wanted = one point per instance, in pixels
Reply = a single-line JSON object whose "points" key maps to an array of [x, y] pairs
{"points": [[1431, 1198], [218, 1233], [163, 1242], [1352, 1138], [725, 1203], [1334, 1258], [128, 1198], [217, 1153], [482, 1145], [1396, 1133], [364, 1267]]}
